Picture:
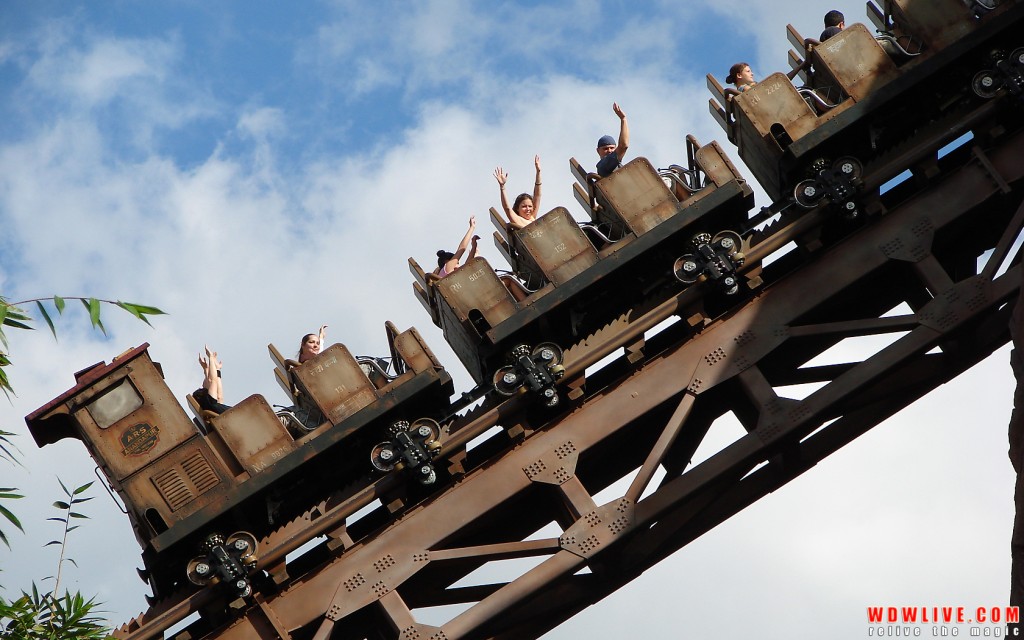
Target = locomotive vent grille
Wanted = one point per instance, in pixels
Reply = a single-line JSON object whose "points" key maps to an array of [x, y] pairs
{"points": [[183, 482]]}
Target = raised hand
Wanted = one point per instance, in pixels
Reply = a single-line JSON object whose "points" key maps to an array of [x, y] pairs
{"points": [[500, 176]]}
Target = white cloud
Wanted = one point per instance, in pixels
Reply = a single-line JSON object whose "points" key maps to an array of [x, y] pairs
{"points": [[98, 71]]}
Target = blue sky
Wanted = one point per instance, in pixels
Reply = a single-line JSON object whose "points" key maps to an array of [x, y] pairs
{"points": [[259, 169]]}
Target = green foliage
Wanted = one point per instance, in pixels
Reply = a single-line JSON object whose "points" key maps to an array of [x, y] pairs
{"points": [[38, 616], [8, 493], [35, 616], [7, 449], [67, 513], [12, 315]]}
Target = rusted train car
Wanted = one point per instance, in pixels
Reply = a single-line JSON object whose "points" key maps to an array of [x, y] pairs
{"points": [[935, 66], [648, 231], [216, 485]]}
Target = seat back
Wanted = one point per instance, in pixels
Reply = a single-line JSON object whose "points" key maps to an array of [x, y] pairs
{"points": [[636, 196], [853, 61], [555, 246]]}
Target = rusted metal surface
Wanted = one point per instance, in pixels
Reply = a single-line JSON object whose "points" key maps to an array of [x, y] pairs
{"points": [[712, 160], [634, 197], [555, 246], [651, 408], [666, 403], [149, 450], [937, 23], [180, 485], [932, 87], [482, 321], [133, 431], [764, 119], [334, 381], [254, 434], [854, 62]]}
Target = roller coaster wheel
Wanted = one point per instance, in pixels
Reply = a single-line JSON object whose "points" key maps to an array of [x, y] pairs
{"points": [[244, 544], [701, 238], [425, 430], [687, 268], [848, 167], [507, 381], [200, 572], [212, 540], [1017, 57], [550, 397], [728, 240], [817, 167], [731, 285], [427, 475], [547, 353], [808, 193], [383, 457], [986, 84]]}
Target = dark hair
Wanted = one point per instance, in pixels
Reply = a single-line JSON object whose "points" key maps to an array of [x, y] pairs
{"points": [[833, 18], [519, 201], [734, 71], [443, 257]]}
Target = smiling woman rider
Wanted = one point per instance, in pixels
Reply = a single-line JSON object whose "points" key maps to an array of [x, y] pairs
{"points": [[524, 210], [311, 344]]}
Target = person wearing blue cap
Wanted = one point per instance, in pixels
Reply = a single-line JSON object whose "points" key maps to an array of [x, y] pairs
{"points": [[610, 152]]}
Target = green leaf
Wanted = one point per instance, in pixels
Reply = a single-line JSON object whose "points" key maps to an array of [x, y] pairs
{"points": [[93, 306], [59, 303], [17, 324], [5, 385], [141, 308], [61, 505], [51, 543], [82, 489], [7, 448], [80, 516], [130, 308], [46, 316], [10, 517]]}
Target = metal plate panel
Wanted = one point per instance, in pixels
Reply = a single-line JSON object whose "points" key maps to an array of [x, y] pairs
{"points": [[253, 433], [557, 245], [636, 195], [336, 383], [855, 61]]}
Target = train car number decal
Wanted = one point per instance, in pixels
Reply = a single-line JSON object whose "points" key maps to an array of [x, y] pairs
{"points": [[139, 439]]}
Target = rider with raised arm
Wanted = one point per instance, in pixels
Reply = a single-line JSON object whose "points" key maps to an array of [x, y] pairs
{"points": [[611, 152], [524, 210], [448, 262]]}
